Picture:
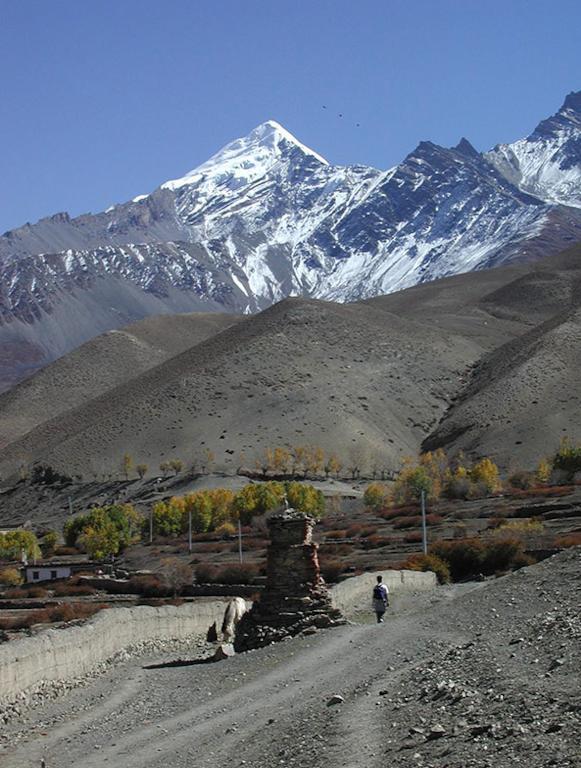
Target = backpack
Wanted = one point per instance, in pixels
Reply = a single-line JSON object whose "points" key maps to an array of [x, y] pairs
{"points": [[378, 593]]}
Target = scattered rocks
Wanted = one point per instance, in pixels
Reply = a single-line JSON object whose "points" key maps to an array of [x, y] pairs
{"points": [[437, 731]]}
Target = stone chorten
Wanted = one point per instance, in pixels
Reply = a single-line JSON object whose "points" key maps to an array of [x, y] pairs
{"points": [[295, 596]]}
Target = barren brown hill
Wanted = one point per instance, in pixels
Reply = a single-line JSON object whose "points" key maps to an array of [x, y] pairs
{"points": [[350, 378], [522, 398], [457, 362], [101, 364]]}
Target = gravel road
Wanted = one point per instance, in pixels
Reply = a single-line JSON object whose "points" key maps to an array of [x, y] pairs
{"points": [[470, 676]]}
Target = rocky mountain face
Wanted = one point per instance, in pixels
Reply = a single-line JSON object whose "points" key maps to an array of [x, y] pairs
{"points": [[267, 217]]}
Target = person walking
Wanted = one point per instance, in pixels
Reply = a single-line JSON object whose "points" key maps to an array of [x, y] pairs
{"points": [[380, 599]]}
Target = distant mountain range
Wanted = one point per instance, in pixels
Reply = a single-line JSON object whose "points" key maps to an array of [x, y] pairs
{"points": [[266, 218]]}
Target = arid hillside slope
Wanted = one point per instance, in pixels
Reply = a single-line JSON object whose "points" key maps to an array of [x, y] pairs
{"points": [[101, 364], [459, 362]]}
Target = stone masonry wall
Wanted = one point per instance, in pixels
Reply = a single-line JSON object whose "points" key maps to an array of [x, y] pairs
{"points": [[295, 596]]}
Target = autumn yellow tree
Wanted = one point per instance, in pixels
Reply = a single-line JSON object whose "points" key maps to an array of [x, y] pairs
{"points": [[333, 465], [298, 459], [376, 496], [126, 465], [199, 505], [543, 472], [280, 460], [485, 472], [315, 459]]}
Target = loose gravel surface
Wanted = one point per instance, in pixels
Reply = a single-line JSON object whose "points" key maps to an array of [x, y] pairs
{"points": [[470, 676]]}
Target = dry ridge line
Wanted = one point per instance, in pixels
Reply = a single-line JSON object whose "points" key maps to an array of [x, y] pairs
{"points": [[459, 362]]}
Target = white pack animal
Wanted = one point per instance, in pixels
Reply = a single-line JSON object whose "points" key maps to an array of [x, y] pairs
{"points": [[235, 610]]}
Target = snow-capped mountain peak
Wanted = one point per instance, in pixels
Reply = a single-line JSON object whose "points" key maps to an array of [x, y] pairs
{"points": [[547, 163], [247, 159], [266, 217]]}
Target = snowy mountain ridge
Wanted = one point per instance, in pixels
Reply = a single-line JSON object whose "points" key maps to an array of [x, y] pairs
{"points": [[267, 217], [546, 164]]}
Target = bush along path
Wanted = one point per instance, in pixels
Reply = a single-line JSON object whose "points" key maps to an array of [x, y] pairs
{"points": [[472, 676]]}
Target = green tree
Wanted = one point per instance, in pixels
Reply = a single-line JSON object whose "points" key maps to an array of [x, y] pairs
{"points": [[127, 521], [168, 517], [305, 498], [100, 537], [200, 506], [376, 496], [48, 543], [14, 543]]}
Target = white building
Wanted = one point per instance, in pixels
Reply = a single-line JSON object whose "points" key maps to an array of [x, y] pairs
{"points": [[47, 572]]}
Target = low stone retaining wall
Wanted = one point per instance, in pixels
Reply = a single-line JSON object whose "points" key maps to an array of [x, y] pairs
{"points": [[355, 593], [62, 654]]}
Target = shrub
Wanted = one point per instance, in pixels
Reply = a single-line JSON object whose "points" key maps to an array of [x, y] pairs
{"points": [[65, 612], [48, 543], [568, 457], [568, 540], [226, 529], [458, 488], [148, 585], [339, 533], [467, 558], [10, 576], [429, 562], [521, 528], [64, 588], [214, 546], [249, 544], [66, 551], [413, 538], [499, 556], [463, 556], [237, 573], [407, 522], [15, 593], [331, 569], [175, 574], [376, 541], [522, 479]]}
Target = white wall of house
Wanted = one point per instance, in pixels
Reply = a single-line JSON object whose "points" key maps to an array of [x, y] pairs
{"points": [[46, 573]]}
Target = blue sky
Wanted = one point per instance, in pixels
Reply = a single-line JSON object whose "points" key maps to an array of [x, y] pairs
{"points": [[102, 100]]}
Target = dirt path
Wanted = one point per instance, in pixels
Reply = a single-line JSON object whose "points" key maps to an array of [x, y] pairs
{"points": [[443, 683]]}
